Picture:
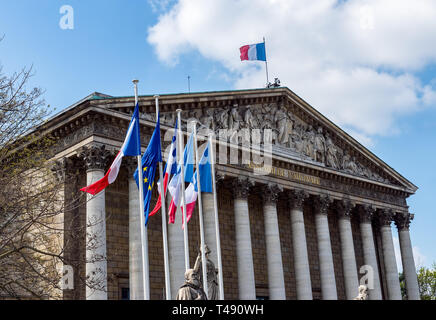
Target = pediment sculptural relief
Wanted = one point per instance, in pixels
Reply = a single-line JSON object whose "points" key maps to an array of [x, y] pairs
{"points": [[290, 135]]}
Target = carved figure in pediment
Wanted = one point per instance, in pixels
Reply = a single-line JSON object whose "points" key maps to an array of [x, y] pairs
{"points": [[169, 119], [364, 171], [349, 165], [290, 124], [234, 124], [266, 116], [191, 116], [359, 167], [331, 154], [296, 141], [234, 119], [320, 146], [281, 120], [309, 142], [148, 116], [222, 119], [207, 119], [250, 120]]}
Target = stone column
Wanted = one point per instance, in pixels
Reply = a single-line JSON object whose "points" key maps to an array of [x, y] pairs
{"points": [[135, 247], [176, 252], [349, 267], [276, 280], [327, 270], [95, 159], [244, 253], [209, 221], [392, 279], [402, 220], [299, 245], [209, 224], [366, 213]]}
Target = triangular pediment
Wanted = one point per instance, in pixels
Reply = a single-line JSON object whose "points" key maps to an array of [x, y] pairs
{"points": [[298, 130]]}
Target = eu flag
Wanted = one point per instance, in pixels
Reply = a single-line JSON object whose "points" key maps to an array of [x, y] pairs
{"points": [[149, 162]]}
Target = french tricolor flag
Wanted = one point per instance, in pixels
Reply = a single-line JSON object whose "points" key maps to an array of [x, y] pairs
{"points": [[130, 147], [253, 52], [176, 184], [170, 168]]}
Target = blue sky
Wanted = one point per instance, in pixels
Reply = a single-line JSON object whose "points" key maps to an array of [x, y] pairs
{"points": [[358, 62]]}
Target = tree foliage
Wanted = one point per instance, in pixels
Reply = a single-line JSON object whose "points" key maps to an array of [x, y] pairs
{"points": [[427, 282], [32, 199]]}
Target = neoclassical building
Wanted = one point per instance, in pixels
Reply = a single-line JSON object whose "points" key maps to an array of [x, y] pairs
{"points": [[319, 220]]}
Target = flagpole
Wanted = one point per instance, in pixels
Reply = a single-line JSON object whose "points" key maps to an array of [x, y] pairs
{"points": [[144, 237], [200, 214], [217, 225], [266, 64], [164, 218], [182, 185]]}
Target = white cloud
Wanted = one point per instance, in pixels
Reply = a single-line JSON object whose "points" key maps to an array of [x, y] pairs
{"points": [[352, 60]]}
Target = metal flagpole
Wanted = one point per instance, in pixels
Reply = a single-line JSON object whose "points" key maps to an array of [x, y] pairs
{"points": [[217, 225], [200, 214], [144, 237], [164, 218], [182, 185], [266, 64]]}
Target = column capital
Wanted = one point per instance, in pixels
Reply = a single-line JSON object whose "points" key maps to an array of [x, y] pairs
{"points": [[63, 169], [402, 220], [366, 213], [296, 198], [321, 203], [270, 193], [344, 208], [95, 157], [385, 217], [241, 187]]}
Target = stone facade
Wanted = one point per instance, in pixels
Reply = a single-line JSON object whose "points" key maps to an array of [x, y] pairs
{"points": [[309, 154]]}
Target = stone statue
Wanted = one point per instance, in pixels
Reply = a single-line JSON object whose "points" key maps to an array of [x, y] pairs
{"points": [[331, 154], [147, 116], [319, 146], [207, 119], [281, 120], [309, 143], [234, 119], [349, 165], [169, 119], [211, 273], [222, 119], [249, 119], [266, 116], [191, 289], [363, 293]]}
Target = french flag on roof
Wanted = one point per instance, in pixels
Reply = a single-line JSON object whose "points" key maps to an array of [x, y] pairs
{"points": [[253, 52]]}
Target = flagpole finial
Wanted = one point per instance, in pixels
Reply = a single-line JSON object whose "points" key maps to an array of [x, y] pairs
{"points": [[156, 96], [135, 81], [179, 110]]}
